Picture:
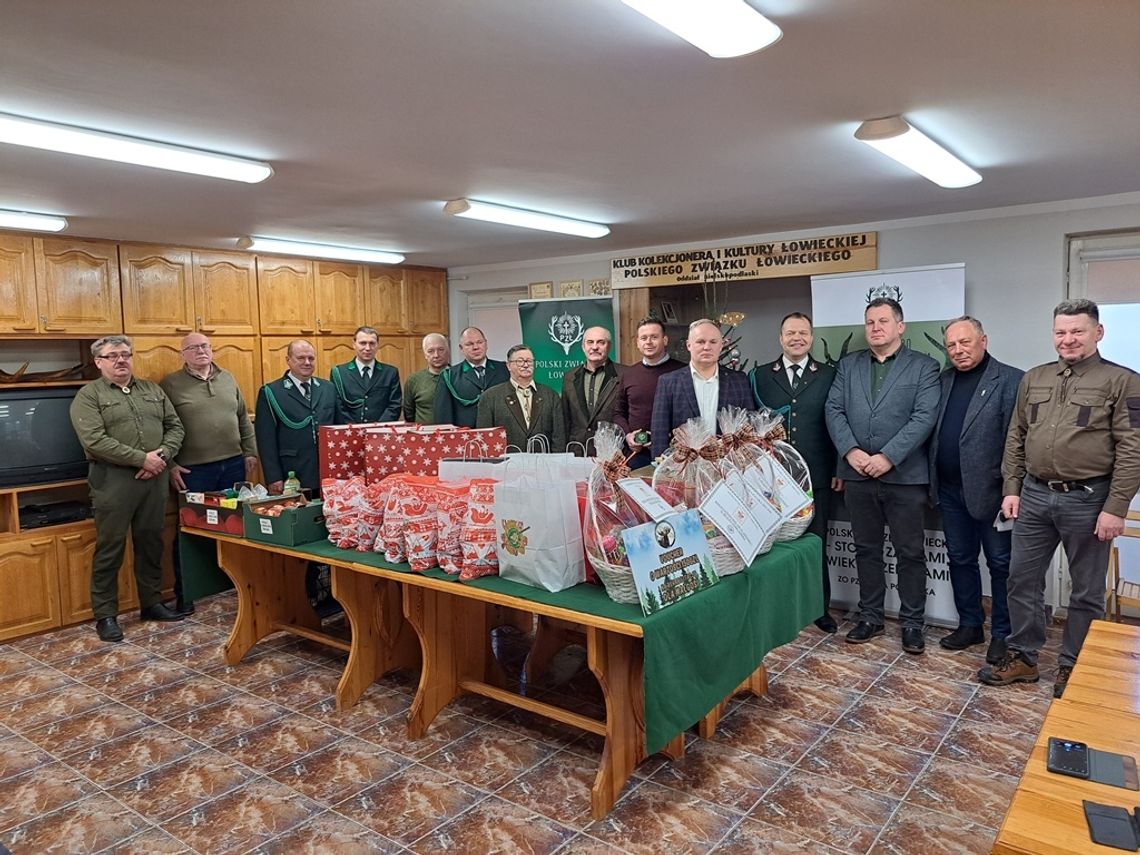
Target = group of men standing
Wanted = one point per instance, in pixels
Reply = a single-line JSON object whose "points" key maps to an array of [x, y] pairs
{"points": [[1017, 463]]}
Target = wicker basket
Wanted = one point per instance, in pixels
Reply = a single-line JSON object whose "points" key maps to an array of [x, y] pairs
{"points": [[796, 526], [617, 579], [726, 560]]}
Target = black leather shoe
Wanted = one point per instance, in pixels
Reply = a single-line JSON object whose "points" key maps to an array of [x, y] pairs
{"points": [[963, 637], [864, 632], [108, 629], [826, 623], [184, 607], [159, 611], [912, 640], [995, 651]]}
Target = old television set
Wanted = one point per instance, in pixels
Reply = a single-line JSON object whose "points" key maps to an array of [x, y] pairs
{"points": [[36, 438]]}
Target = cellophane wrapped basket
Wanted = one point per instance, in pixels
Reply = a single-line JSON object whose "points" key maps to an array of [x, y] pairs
{"points": [[742, 449], [608, 513], [769, 426], [688, 470]]}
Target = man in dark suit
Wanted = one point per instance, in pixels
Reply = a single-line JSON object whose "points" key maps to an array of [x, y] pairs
{"points": [[366, 390], [880, 412], [460, 386], [978, 397], [797, 386], [702, 391], [590, 390], [523, 408], [289, 411]]}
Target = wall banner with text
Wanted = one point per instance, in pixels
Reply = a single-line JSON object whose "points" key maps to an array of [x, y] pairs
{"points": [[794, 257], [553, 330]]}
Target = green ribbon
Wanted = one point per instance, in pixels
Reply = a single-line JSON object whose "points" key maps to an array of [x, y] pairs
{"points": [[280, 416], [450, 388], [354, 403]]}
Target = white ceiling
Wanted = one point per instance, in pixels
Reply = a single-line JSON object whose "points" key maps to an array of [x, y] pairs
{"points": [[373, 112]]}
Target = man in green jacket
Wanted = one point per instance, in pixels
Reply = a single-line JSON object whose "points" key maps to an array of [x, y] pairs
{"points": [[130, 432]]}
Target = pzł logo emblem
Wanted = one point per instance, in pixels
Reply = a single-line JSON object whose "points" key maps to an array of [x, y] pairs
{"points": [[514, 537], [566, 330], [891, 292]]}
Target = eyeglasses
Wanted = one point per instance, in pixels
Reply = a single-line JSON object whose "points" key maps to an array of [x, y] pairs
{"points": [[199, 347], [115, 357], [523, 363]]}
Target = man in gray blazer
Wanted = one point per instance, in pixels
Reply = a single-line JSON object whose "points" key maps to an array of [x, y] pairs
{"points": [[880, 412], [523, 408], [978, 397]]}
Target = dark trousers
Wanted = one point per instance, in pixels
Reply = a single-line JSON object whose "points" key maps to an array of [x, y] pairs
{"points": [[1045, 519], [871, 505], [965, 536], [122, 503], [202, 478]]}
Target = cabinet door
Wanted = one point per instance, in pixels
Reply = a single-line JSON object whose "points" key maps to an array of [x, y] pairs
{"points": [[17, 285], [31, 590], [384, 300], [75, 550], [225, 293], [158, 294], [333, 351], [340, 297], [398, 350], [77, 283], [273, 360], [425, 298], [156, 356], [241, 356], [285, 296]]}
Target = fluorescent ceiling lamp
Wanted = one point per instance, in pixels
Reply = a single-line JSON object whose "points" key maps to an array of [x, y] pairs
{"points": [[319, 250], [70, 140], [899, 140], [525, 219], [35, 222], [721, 28]]}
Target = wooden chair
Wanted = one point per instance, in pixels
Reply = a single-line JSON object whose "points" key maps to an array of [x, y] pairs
{"points": [[1122, 590]]}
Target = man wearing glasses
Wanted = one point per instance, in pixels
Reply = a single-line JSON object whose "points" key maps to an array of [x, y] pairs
{"points": [[523, 408], [130, 432], [463, 384], [219, 448]]}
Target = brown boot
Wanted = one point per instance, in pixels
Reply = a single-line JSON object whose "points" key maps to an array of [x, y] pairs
{"points": [[1011, 669]]}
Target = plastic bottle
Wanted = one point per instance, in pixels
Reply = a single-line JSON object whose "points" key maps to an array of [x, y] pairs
{"points": [[292, 485]]}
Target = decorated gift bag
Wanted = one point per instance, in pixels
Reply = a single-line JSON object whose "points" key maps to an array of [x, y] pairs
{"points": [[475, 462], [384, 450], [340, 448], [390, 541], [418, 507], [426, 447], [539, 539], [354, 512], [477, 536], [451, 505], [769, 427]]}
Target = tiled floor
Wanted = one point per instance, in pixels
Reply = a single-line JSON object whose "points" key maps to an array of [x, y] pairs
{"points": [[155, 746]]}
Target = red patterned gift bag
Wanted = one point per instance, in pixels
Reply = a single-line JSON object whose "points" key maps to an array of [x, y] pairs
{"points": [[340, 448]]}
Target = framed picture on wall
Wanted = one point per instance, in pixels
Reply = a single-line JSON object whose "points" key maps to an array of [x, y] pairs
{"points": [[599, 287], [668, 312], [570, 288], [540, 290]]}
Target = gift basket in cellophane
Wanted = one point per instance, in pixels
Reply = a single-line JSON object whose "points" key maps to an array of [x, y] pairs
{"points": [[743, 450], [608, 513], [769, 427], [690, 468]]}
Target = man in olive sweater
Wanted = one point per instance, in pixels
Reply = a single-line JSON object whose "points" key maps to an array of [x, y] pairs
{"points": [[219, 448], [420, 387]]}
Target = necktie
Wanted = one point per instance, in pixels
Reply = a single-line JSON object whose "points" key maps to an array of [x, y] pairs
{"points": [[796, 369], [480, 370], [305, 389], [367, 372], [524, 399]]}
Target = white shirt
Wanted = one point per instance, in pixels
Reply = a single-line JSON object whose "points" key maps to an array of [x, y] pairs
{"points": [[708, 394], [360, 366], [664, 358], [788, 363]]}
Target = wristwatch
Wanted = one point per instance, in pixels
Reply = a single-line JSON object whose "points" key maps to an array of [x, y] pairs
{"points": [[162, 455]]}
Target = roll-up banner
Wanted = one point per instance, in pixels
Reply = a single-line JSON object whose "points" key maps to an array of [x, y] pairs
{"points": [[553, 330], [929, 296]]}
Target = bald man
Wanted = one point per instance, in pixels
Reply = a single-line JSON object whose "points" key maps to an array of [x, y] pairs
{"points": [[590, 390], [462, 385], [420, 389]]}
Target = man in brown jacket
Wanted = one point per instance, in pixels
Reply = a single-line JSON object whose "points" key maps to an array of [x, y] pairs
{"points": [[590, 390]]}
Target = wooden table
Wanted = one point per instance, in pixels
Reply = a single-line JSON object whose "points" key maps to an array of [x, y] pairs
{"points": [[387, 609], [1099, 708]]}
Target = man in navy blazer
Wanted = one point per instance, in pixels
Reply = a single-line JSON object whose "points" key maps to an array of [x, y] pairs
{"points": [[880, 412], [978, 397], [702, 391]]}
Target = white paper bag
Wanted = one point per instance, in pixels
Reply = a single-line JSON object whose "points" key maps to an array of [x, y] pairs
{"points": [[456, 470], [538, 536]]}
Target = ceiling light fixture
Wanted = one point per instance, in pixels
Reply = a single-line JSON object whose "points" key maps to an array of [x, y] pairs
{"points": [[901, 141], [487, 212], [319, 250], [721, 28], [34, 222], [104, 146]]}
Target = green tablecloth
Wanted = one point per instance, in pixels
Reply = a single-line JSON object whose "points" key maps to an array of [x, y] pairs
{"points": [[697, 651]]}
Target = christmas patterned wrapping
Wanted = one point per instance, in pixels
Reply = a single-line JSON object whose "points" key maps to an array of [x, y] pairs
{"points": [[384, 451], [391, 538], [451, 507], [354, 512], [418, 505], [424, 448], [340, 448], [477, 536]]}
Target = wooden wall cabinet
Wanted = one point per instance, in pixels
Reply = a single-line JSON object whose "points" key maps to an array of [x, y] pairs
{"points": [[74, 551], [285, 296], [28, 580], [157, 356], [403, 300], [17, 285], [168, 290], [77, 287], [339, 297]]}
